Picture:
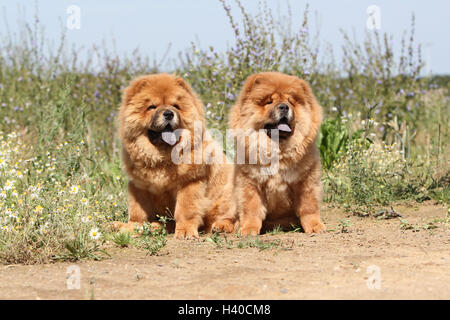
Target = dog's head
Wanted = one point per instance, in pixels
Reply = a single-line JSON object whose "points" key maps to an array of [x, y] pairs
{"points": [[154, 107], [273, 100]]}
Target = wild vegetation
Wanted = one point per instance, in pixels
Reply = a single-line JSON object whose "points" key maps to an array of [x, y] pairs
{"points": [[383, 140]]}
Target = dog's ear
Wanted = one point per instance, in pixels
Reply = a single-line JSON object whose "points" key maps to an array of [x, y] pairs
{"points": [[135, 86], [183, 84], [310, 99], [249, 84]]}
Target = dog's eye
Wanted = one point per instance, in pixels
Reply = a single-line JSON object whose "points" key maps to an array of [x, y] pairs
{"points": [[269, 101], [176, 106], [151, 107]]}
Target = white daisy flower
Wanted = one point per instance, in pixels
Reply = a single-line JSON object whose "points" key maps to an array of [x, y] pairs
{"points": [[9, 184], [84, 201], [94, 234], [74, 189]]}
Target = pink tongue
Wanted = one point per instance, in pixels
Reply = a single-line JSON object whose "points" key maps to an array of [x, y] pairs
{"points": [[169, 137], [284, 127]]}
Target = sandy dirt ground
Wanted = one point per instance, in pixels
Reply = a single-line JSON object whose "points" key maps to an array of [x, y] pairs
{"points": [[375, 259]]}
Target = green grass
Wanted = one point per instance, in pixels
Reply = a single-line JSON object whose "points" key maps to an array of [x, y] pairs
{"points": [[153, 240], [122, 239], [344, 225], [429, 226], [384, 137], [240, 242]]}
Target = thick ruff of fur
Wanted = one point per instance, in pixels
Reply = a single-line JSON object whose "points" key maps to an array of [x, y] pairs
{"points": [[197, 195], [293, 193]]}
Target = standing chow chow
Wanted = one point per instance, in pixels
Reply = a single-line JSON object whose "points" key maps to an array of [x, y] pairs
{"points": [[162, 130], [284, 112]]}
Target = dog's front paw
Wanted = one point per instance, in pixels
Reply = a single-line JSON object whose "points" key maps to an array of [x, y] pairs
{"points": [[117, 225], [186, 231], [312, 224], [223, 226], [132, 227], [249, 229]]}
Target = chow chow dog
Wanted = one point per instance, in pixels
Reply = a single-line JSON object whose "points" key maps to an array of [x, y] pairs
{"points": [[273, 103], [160, 113]]}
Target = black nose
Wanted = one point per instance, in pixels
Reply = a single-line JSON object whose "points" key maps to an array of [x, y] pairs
{"points": [[168, 115], [284, 108]]}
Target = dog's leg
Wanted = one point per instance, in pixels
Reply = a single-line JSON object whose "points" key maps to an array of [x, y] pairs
{"points": [[308, 201], [222, 216], [189, 210], [252, 210], [139, 209]]}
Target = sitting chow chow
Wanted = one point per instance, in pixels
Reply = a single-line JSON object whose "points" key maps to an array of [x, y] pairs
{"points": [[162, 130], [285, 113]]}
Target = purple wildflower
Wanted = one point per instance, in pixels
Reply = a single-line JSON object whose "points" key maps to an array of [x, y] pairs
{"points": [[230, 96]]}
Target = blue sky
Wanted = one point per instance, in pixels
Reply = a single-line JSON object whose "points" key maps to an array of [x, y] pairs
{"points": [[151, 25]]}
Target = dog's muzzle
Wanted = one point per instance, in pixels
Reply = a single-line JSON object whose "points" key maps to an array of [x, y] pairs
{"points": [[162, 129], [281, 120]]}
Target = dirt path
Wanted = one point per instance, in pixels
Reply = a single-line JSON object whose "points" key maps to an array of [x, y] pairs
{"points": [[335, 265]]}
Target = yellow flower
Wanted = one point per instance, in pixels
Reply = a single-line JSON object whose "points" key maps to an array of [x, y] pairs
{"points": [[86, 219], [38, 209]]}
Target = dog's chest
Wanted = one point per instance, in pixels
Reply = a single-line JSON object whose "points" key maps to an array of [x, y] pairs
{"points": [[161, 181], [155, 181], [278, 192]]}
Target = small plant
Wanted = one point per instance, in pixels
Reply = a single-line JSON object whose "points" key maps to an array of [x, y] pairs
{"points": [[405, 225], [155, 245], [344, 225], [215, 238], [246, 242], [264, 245], [332, 141], [122, 239], [445, 220], [256, 242], [154, 239], [79, 249], [276, 230], [296, 228], [429, 226]]}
